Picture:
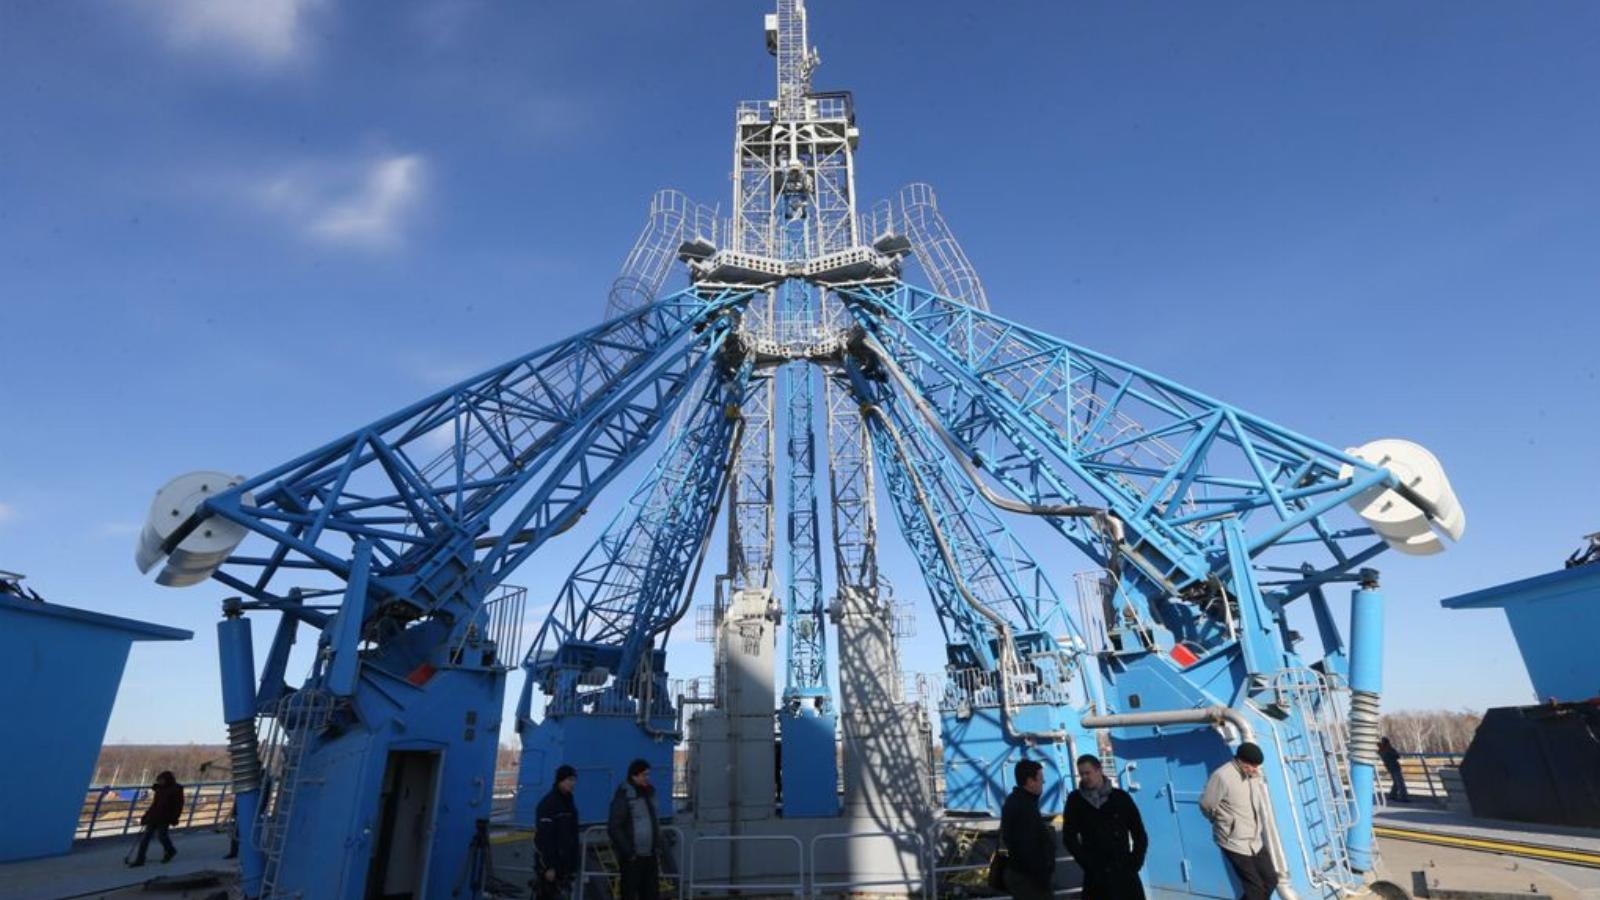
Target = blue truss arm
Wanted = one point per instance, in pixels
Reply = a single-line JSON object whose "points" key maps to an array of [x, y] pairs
{"points": [[1056, 422], [534, 439], [625, 591], [932, 500], [806, 635]]}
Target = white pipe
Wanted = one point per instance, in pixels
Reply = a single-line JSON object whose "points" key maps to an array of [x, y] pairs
{"points": [[683, 607], [1007, 651], [1105, 521]]}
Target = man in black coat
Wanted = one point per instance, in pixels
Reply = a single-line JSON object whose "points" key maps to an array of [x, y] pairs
{"points": [[166, 808], [1028, 841], [635, 834], [1397, 777], [556, 836], [1102, 830]]}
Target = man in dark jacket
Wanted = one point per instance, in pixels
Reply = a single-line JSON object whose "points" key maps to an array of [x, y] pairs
{"points": [[556, 836], [1102, 830], [1028, 841], [635, 835], [1391, 764], [166, 807]]}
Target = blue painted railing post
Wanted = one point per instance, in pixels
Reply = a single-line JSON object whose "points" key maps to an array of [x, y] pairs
{"points": [[1366, 685], [238, 666]]}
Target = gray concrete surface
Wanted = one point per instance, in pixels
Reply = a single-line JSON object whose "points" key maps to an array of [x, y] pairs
{"points": [[95, 869]]}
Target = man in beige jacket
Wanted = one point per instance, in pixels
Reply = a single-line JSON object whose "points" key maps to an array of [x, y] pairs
{"points": [[1235, 800]]}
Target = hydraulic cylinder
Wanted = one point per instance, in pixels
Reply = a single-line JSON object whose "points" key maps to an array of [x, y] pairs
{"points": [[238, 667], [1366, 685]]}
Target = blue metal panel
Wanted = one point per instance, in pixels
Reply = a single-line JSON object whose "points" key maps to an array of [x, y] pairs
{"points": [[335, 815], [60, 667], [810, 770], [980, 758], [600, 748], [1554, 618]]}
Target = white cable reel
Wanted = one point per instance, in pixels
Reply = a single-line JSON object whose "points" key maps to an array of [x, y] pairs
{"points": [[205, 548], [1402, 523]]}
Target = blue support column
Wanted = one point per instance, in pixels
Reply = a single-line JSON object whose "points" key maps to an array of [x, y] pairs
{"points": [[238, 665], [344, 668], [1366, 684]]}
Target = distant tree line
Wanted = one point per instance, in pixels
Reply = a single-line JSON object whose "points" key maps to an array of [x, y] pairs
{"points": [[128, 764], [1412, 731], [1431, 731]]}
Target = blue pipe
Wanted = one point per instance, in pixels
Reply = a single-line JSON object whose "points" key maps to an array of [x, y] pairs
{"points": [[1366, 684], [237, 656]]}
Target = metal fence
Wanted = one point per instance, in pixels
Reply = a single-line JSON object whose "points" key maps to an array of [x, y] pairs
{"points": [[110, 810], [1422, 775]]}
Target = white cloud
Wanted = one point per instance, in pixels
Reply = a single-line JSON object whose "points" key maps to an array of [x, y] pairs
{"points": [[365, 205], [270, 32], [7, 513]]}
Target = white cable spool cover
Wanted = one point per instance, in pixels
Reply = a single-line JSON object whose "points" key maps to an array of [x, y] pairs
{"points": [[1397, 520], [199, 554]]}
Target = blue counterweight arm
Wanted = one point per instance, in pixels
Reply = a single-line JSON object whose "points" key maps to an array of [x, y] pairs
{"points": [[625, 591], [548, 429], [1054, 422]]}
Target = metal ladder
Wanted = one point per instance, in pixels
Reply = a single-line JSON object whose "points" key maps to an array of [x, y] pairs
{"points": [[1316, 756], [300, 715]]}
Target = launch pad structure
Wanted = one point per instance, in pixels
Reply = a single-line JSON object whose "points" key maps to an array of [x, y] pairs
{"points": [[799, 379]]}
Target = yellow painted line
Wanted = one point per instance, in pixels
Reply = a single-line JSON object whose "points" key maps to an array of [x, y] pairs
{"points": [[1511, 848], [511, 837]]}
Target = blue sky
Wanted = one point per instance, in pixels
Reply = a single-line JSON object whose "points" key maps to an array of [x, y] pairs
{"points": [[230, 231]]}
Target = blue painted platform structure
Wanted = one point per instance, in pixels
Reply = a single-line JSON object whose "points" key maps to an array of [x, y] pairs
{"points": [[1555, 618], [60, 667]]}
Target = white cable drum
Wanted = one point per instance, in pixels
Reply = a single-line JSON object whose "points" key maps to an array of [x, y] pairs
{"points": [[204, 549], [1401, 524]]}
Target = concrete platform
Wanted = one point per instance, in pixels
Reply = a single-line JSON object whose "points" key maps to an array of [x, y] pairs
{"points": [[1428, 818], [1436, 853], [95, 869]]}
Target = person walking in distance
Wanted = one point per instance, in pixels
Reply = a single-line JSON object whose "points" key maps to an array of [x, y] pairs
{"points": [[1029, 843], [1102, 830], [555, 839], [1391, 764], [1235, 800], [635, 835], [166, 806]]}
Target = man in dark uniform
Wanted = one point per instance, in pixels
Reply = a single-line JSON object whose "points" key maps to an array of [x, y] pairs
{"points": [[556, 835]]}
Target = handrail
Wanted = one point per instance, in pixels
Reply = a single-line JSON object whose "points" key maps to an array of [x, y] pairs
{"points": [[934, 868], [921, 846], [108, 809], [797, 887], [583, 861]]}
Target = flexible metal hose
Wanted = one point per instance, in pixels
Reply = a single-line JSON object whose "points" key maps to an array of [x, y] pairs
{"points": [[1364, 727], [1007, 647], [244, 756]]}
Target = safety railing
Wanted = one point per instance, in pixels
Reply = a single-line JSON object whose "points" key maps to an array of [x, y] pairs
{"points": [[935, 870], [855, 886], [603, 845], [1041, 678], [1421, 772], [110, 810], [796, 887]]}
